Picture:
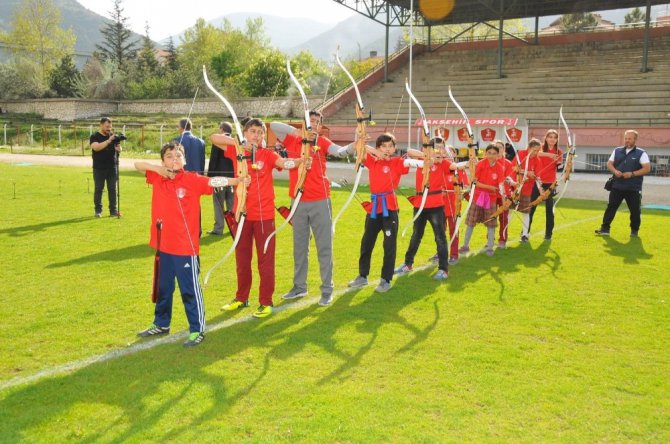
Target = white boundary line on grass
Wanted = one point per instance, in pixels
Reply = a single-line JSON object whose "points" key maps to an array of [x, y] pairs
{"points": [[147, 345]]}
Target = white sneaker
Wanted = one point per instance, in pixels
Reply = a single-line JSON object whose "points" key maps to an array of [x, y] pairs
{"points": [[295, 294], [383, 286], [360, 281], [325, 300]]}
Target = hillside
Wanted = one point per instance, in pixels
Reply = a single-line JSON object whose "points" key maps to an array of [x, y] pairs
{"points": [[85, 24]]}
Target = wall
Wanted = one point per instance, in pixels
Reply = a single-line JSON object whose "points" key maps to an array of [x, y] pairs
{"points": [[75, 109]]}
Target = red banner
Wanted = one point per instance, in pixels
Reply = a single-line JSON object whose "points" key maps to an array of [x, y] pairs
{"points": [[463, 134], [442, 132], [488, 134], [514, 134], [481, 121]]}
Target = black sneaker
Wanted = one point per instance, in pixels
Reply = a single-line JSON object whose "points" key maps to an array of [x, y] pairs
{"points": [[633, 233], [524, 238], [602, 232], [194, 339], [154, 330]]}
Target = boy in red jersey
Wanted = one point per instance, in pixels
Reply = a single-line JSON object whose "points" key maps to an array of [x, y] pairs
{"points": [[175, 234], [488, 179], [313, 216], [433, 210], [384, 175], [527, 167], [260, 219]]}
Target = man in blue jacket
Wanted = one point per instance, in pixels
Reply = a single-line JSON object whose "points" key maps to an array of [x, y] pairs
{"points": [[194, 147], [194, 150]]}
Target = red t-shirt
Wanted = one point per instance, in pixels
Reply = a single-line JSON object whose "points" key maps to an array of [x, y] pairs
{"points": [[546, 166], [527, 188], [438, 173], [177, 203], [488, 174], [449, 195], [384, 177], [317, 184], [260, 193]]}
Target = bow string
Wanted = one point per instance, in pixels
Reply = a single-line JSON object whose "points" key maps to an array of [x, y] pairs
{"points": [[242, 173]]}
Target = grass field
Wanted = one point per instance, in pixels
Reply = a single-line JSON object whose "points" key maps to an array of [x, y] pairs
{"points": [[561, 341]]}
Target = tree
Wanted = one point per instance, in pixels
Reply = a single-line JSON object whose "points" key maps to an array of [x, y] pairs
{"points": [[255, 32], [64, 79], [199, 45], [635, 16], [36, 35], [21, 80], [116, 45], [578, 21], [171, 60], [101, 80], [266, 76], [147, 65]]}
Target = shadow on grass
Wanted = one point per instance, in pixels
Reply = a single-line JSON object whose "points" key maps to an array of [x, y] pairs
{"points": [[117, 255], [502, 264], [27, 230], [632, 252], [143, 388]]}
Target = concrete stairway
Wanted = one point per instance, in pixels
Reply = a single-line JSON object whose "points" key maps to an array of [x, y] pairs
{"points": [[597, 82]]}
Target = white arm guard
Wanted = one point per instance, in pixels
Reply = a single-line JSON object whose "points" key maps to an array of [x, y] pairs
{"points": [[289, 164], [413, 163], [218, 182], [341, 151]]}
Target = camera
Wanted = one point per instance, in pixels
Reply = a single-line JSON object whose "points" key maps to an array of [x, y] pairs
{"points": [[119, 137]]}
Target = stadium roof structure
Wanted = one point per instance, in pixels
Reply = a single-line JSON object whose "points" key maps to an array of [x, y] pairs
{"points": [[400, 12], [473, 11]]}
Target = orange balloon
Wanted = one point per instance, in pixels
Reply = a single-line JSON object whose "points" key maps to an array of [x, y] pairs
{"points": [[436, 9]]}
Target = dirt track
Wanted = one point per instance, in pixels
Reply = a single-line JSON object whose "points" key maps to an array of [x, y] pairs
{"points": [[582, 186]]}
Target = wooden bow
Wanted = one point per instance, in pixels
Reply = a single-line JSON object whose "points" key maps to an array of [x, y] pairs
{"points": [[428, 151], [361, 138], [305, 154], [241, 173], [472, 163]]}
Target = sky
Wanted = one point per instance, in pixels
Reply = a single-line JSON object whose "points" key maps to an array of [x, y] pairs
{"points": [[169, 17]]}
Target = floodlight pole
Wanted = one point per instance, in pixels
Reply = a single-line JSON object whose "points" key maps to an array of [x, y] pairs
{"points": [[645, 50]]}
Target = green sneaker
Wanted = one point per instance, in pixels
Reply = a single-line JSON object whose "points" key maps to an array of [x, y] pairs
{"points": [[263, 311], [235, 305], [194, 339]]}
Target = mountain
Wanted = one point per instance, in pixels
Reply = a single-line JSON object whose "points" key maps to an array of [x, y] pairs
{"points": [[349, 34], [292, 35], [284, 32], [85, 24]]}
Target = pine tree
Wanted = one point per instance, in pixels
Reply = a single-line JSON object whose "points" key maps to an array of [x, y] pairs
{"points": [[64, 79], [578, 21], [172, 62], [635, 16], [146, 57], [116, 45]]}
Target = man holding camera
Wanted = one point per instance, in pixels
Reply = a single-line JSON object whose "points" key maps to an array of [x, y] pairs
{"points": [[105, 146]]}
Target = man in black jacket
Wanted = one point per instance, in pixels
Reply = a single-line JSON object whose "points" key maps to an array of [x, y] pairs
{"points": [[105, 147], [220, 165]]}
